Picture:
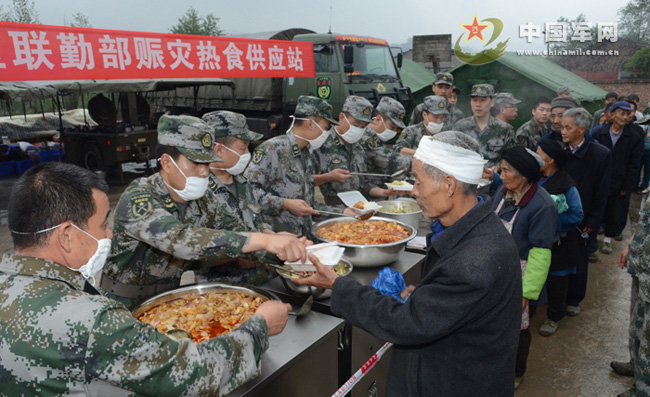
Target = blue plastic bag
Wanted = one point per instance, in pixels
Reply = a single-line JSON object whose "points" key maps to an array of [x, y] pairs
{"points": [[390, 282]]}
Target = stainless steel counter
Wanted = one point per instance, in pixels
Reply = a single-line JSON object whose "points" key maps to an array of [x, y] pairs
{"points": [[292, 366], [357, 345]]}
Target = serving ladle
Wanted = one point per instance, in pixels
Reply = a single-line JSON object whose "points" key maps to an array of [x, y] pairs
{"points": [[363, 217], [305, 308], [393, 175]]}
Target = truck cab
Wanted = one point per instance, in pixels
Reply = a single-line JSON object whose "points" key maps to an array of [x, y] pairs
{"points": [[348, 65]]}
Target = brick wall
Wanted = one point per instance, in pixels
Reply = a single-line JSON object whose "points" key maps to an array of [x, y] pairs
{"points": [[626, 87]]}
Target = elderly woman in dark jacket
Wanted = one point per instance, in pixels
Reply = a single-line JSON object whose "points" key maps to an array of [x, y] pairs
{"points": [[529, 213], [565, 251]]}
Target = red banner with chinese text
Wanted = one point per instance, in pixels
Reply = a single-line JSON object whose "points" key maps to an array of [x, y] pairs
{"points": [[42, 52]]}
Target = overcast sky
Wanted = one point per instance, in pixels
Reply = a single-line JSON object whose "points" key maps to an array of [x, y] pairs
{"points": [[394, 21]]}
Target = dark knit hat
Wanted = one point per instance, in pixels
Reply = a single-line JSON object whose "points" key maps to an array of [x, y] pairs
{"points": [[567, 102], [554, 150], [524, 162]]}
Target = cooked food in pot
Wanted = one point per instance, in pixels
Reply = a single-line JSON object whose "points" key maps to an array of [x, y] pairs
{"points": [[364, 232], [203, 316]]}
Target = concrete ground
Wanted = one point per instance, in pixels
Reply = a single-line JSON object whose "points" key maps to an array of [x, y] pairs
{"points": [[574, 361]]}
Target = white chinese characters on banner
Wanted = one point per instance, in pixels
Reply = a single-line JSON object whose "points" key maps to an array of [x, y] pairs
{"points": [[30, 49], [38, 52], [529, 31]]}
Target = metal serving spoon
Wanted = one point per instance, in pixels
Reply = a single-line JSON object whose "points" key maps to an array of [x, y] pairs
{"points": [[393, 175], [305, 308], [357, 217]]}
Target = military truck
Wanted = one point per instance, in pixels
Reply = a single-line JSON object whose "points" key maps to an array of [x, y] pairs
{"points": [[345, 65], [123, 118]]}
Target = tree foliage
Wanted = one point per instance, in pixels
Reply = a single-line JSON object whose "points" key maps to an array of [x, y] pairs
{"points": [[22, 11], [639, 63], [79, 20], [634, 20], [192, 23]]}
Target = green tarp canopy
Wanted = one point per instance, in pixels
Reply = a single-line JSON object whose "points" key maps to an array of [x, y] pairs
{"points": [[134, 85], [418, 78], [19, 91]]}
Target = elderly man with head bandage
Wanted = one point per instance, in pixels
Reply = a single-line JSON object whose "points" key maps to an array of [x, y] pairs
{"points": [[530, 215], [457, 332]]}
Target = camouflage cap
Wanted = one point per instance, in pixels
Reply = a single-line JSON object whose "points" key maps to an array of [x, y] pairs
{"points": [[485, 90], [435, 104], [190, 135], [227, 123], [315, 107], [359, 107], [506, 97], [444, 78], [563, 91], [392, 109]]}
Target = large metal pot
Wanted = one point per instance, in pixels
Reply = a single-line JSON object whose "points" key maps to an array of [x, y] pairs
{"points": [[368, 255], [181, 292], [404, 210], [318, 293]]}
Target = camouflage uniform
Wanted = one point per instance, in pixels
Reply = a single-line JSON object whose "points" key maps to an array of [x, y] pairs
{"points": [[497, 135], [530, 133], [638, 259], [411, 136], [381, 160], [155, 238], [57, 339], [280, 170], [337, 154], [236, 211]]}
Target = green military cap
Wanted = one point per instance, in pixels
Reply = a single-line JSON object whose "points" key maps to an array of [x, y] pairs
{"points": [[190, 135], [506, 97], [486, 90], [315, 107], [226, 123], [435, 104], [359, 107], [392, 109], [444, 78], [563, 90]]}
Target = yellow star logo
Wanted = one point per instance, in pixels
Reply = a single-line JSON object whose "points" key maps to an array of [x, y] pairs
{"points": [[475, 30]]}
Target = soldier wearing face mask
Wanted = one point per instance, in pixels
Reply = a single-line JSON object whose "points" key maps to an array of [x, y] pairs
{"points": [[61, 337], [164, 223], [434, 114], [281, 173], [343, 153], [388, 120], [236, 209]]}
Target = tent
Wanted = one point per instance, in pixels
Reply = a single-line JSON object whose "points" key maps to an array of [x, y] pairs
{"points": [[527, 78], [418, 79]]}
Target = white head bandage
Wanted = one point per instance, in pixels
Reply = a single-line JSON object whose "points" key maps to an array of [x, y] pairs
{"points": [[464, 164]]}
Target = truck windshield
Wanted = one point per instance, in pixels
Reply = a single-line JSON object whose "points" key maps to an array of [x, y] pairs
{"points": [[374, 61]]}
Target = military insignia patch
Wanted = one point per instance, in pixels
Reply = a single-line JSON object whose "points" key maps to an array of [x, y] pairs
{"points": [[401, 116], [212, 184], [366, 111], [141, 205], [295, 149], [257, 155], [206, 141], [168, 202], [444, 78], [324, 88], [373, 143], [336, 161], [441, 104], [478, 89]]}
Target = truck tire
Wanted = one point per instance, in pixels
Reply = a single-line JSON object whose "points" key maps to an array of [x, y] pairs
{"points": [[92, 159]]}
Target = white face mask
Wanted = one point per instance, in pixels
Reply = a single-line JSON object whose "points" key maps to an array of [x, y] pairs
{"points": [[387, 135], [241, 163], [195, 187], [353, 134], [314, 144], [434, 128], [97, 261]]}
